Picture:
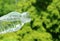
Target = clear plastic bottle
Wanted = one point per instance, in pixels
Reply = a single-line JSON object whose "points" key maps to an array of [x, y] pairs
{"points": [[13, 21]]}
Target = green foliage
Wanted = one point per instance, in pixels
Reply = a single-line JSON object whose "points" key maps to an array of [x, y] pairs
{"points": [[45, 23]]}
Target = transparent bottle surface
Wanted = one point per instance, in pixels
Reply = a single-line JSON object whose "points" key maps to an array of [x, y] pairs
{"points": [[13, 21]]}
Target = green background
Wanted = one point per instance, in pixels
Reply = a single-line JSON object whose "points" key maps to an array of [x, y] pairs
{"points": [[45, 23]]}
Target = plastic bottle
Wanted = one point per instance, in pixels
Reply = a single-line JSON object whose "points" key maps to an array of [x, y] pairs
{"points": [[13, 21]]}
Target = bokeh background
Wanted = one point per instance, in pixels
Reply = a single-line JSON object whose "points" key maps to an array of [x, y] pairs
{"points": [[45, 23]]}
